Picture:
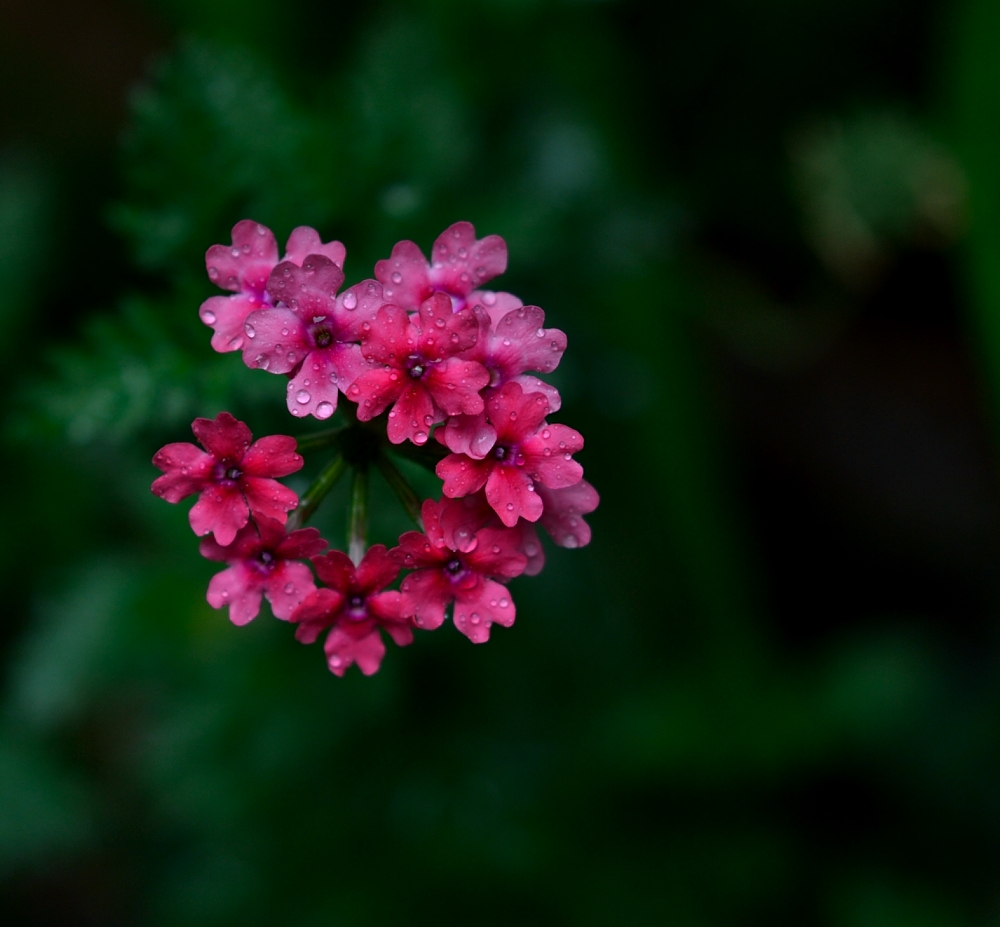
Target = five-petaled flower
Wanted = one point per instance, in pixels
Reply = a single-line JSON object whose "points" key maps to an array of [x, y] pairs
{"points": [[419, 371], [244, 268], [528, 452], [354, 607], [262, 562], [235, 478], [460, 264], [451, 566]]}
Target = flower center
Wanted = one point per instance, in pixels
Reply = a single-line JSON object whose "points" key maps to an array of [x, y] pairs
{"points": [[356, 609], [234, 473], [266, 559], [454, 566], [416, 367], [323, 338]]}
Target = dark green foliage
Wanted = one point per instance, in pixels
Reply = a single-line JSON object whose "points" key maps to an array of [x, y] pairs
{"points": [[701, 196]]}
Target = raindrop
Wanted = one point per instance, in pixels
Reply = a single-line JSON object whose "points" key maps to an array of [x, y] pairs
{"points": [[540, 333], [213, 273], [420, 438], [350, 300], [570, 542], [235, 252], [250, 330], [489, 297], [504, 603], [397, 277], [208, 317], [302, 397], [324, 410], [475, 619], [289, 589], [510, 506]]}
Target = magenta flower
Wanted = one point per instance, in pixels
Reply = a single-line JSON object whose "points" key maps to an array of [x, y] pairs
{"points": [[262, 563], [233, 476], [354, 608], [244, 268], [446, 573], [419, 373], [563, 510], [460, 264], [517, 342], [528, 451], [313, 327]]}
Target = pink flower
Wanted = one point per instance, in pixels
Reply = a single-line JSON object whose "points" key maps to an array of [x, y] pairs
{"points": [[507, 347], [313, 327], [528, 451], [460, 264], [448, 570], [419, 373], [354, 608], [563, 508], [261, 562], [244, 268], [233, 476]]}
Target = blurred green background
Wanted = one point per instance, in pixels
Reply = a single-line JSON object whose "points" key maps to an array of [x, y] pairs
{"points": [[767, 693]]}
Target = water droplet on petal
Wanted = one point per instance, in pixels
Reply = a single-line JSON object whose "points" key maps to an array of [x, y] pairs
{"points": [[235, 252], [208, 317], [302, 397], [250, 330], [504, 603], [510, 506], [474, 618], [570, 542], [397, 277], [420, 438], [289, 589], [324, 410], [213, 273], [350, 300]]}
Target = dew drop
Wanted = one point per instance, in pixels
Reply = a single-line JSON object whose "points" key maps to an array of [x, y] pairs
{"points": [[235, 252], [324, 410], [540, 333], [213, 273], [420, 438], [397, 277], [250, 330], [289, 589], [496, 548], [302, 397], [474, 618], [510, 506], [571, 542], [208, 317], [504, 603], [350, 300]]}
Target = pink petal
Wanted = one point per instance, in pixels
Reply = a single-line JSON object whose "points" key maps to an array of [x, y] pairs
{"points": [[455, 385], [404, 276], [462, 475], [461, 263], [225, 438], [246, 265], [374, 390], [387, 609], [310, 291], [306, 542], [336, 569], [317, 611], [185, 468], [390, 338], [220, 511], [462, 518], [287, 585], [477, 608], [444, 332], [532, 384], [516, 414], [314, 390], [531, 546], [548, 456], [521, 342], [227, 315], [418, 550], [268, 497], [425, 595], [376, 570], [563, 513], [496, 553], [412, 416], [342, 650], [305, 241], [497, 304], [277, 340], [271, 456], [512, 494], [240, 588], [471, 435]]}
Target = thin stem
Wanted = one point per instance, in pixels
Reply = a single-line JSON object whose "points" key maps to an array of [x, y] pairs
{"points": [[401, 487], [319, 439], [315, 494], [357, 516]]}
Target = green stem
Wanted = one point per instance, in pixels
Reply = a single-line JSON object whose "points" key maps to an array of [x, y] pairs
{"points": [[315, 494], [427, 455], [401, 487], [357, 516], [319, 440]]}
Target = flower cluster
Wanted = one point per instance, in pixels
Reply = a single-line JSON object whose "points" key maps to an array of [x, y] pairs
{"points": [[435, 368]]}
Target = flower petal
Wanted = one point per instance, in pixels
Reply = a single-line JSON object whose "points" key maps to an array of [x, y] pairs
{"points": [[477, 608]]}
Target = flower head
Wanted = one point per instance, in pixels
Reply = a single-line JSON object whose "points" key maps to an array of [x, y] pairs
{"points": [[528, 451], [311, 326], [262, 563], [459, 264], [451, 567], [235, 478], [354, 608], [244, 268], [419, 372]]}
